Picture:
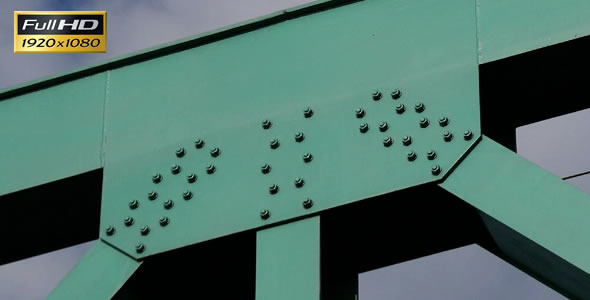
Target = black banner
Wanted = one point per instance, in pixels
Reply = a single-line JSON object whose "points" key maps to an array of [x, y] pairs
{"points": [[61, 24]]}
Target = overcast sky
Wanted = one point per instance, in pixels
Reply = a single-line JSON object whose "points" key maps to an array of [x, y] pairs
{"points": [[465, 273]]}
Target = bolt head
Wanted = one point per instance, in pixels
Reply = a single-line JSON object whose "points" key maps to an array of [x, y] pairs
{"points": [[400, 108], [388, 141], [175, 169], [299, 182], [152, 195], [265, 214], [215, 152], [443, 121], [187, 195], [431, 154], [128, 221], [210, 169], [307, 157], [424, 122], [266, 124], [412, 156], [110, 230], [191, 178], [168, 204], [407, 140], [273, 189], [164, 221], [145, 230], [419, 107], [265, 169], [299, 137], [435, 170], [133, 204], [156, 178], [383, 126], [180, 152], [364, 128], [360, 113], [468, 135], [396, 94], [199, 143], [308, 112], [447, 136], [274, 144], [307, 203], [139, 248], [376, 95]]}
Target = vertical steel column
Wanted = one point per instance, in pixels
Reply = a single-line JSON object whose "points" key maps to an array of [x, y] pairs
{"points": [[98, 276], [288, 261]]}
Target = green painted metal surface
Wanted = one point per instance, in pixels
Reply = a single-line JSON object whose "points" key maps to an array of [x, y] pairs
{"points": [[288, 261], [52, 133], [99, 275], [221, 92], [548, 215], [508, 27]]}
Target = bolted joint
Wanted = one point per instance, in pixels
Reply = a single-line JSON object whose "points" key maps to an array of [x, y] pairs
{"points": [[383, 126], [199, 143], [274, 144], [396, 94], [191, 178], [128, 221], [210, 169], [273, 189], [468, 135], [152, 195], [299, 182], [299, 137], [424, 122], [443, 121], [308, 112], [435, 170], [164, 221], [431, 155], [419, 107], [376, 95], [187, 195], [266, 124], [412, 156], [156, 178], [265, 169], [168, 204], [145, 230], [265, 214], [447, 136], [388, 141], [180, 152], [175, 169], [307, 157], [407, 140], [307, 203], [215, 152], [133, 204], [110, 230], [360, 113]]}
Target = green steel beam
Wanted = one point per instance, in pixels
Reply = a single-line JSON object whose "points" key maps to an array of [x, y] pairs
{"points": [[51, 134], [98, 276], [288, 261], [221, 92], [508, 27], [538, 221]]}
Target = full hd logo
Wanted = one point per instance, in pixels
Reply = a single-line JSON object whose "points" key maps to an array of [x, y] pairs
{"points": [[60, 31]]}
